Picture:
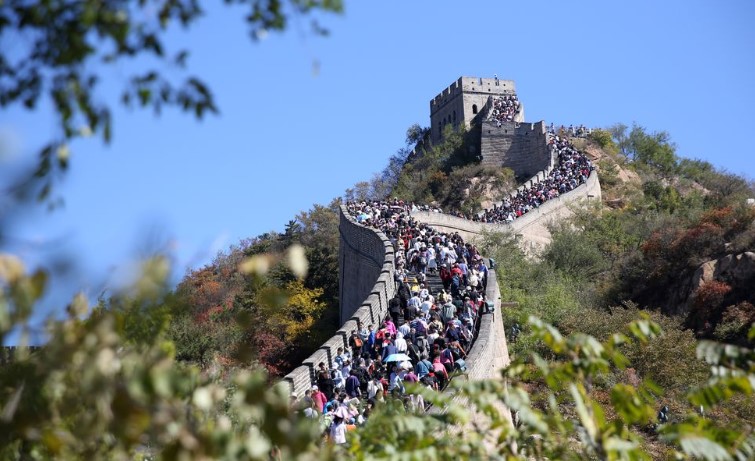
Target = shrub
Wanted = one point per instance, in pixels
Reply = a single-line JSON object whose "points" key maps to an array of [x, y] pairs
{"points": [[604, 139], [669, 360], [735, 323]]}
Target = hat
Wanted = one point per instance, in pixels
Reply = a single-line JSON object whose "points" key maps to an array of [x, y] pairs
{"points": [[314, 387]]}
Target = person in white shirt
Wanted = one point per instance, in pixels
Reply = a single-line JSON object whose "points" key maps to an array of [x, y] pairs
{"points": [[375, 389], [400, 343], [338, 430]]}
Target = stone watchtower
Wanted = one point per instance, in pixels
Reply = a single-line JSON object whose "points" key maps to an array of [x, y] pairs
{"points": [[463, 100], [501, 141]]}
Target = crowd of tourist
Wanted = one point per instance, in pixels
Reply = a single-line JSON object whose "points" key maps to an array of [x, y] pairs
{"points": [[505, 108], [423, 339], [578, 131], [425, 336], [572, 170]]}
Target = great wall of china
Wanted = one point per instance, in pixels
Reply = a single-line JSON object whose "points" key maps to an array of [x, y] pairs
{"points": [[366, 256]]}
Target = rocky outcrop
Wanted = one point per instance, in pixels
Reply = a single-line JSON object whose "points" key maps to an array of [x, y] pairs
{"points": [[735, 270], [733, 273]]}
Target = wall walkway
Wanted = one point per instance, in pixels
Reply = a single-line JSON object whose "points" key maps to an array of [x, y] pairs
{"points": [[366, 262], [531, 228]]}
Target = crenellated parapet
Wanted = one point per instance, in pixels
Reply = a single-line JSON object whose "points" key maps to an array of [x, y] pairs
{"points": [[366, 284], [461, 101]]}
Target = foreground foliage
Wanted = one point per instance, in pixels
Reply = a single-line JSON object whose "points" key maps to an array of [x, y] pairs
{"points": [[94, 393], [62, 47]]}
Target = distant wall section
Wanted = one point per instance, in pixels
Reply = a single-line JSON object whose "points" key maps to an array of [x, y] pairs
{"points": [[531, 228], [463, 100], [523, 147]]}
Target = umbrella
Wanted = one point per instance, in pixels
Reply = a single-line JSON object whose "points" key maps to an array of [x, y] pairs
{"points": [[343, 412], [397, 358]]}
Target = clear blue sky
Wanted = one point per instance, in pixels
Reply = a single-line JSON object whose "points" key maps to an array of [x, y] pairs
{"points": [[288, 137]]}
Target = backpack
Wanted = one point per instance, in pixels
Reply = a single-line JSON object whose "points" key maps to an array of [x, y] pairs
{"points": [[448, 312], [357, 341], [423, 346], [455, 352]]}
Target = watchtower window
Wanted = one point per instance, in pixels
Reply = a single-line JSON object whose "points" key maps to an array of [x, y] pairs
{"points": [[474, 108], [454, 116]]}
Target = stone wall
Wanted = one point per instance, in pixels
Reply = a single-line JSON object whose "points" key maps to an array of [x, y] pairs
{"points": [[463, 99], [523, 147], [366, 284], [490, 353], [530, 228], [360, 249], [365, 263]]}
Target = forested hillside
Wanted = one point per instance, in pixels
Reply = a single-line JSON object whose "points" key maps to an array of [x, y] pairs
{"points": [[673, 240], [610, 334]]}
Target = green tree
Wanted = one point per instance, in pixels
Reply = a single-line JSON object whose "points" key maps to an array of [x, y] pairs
{"points": [[415, 134], [652, 150], [62, 42]]}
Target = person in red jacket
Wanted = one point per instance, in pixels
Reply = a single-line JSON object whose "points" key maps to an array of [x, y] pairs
{"points": [[319, 397]]}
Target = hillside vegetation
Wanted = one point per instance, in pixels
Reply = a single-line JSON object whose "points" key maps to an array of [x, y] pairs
{"points": [[675, 241], [609, 336]]}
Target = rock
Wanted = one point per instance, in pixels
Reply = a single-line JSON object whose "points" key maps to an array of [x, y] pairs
{"points": [[616, 203], [704, 274], [723, 266], [744, 268]]}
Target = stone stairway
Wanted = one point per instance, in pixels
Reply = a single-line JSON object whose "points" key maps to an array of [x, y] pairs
{"points": [[433, 283]]}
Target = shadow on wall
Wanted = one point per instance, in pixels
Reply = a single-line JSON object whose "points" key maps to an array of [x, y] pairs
{"points": [[366, 284]]}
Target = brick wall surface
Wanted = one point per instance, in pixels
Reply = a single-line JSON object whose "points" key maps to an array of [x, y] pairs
{"points": [[523, 147], [366, 284]]}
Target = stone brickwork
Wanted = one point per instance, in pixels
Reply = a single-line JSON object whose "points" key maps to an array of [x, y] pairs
{"points": [[463, 100], [531, 228], [523, 147], [366, 284], [365, 262], [490, 352]]}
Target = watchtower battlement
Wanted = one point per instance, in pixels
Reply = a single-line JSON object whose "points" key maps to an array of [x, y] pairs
{"points": [[461, 101], [500, 137]]}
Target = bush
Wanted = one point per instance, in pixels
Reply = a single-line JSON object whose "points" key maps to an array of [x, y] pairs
{"points": [[735, 323], [669, 361], [604, 139], [572, 252]]}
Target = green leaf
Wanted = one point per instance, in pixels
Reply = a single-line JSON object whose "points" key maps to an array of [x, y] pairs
{"points": [[144, 95], [700, 447]]}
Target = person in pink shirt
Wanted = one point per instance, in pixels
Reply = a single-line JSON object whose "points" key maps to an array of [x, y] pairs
{"points": [[390, 326], [319, 397], [440, 371]]}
